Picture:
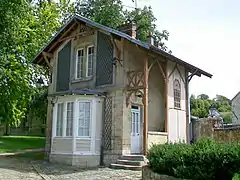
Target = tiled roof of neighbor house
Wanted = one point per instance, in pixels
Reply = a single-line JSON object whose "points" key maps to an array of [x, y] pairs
{"points": [[146, 46], [235, 96]]}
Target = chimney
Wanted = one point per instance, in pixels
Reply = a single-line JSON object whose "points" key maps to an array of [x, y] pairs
{"points": [[129, 28], [150, 39]]}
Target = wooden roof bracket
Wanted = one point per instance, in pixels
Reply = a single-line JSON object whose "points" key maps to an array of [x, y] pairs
{"points": [[172, 70], [160, 67], [180, 75], [176, 67], [191, 75], [162, 71], [47, 56]]}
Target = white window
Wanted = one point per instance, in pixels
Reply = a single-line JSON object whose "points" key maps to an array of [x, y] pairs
{"points": [[65, 117], [84, 62], [177, 94], [84, 119], [90, 54], [79, 63], [69, 123], [59, 128]]}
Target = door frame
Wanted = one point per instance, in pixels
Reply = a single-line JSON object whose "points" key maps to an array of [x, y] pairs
{"points": [[139, 110]]}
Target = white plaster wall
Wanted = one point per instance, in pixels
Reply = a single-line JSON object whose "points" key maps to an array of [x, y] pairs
{"points": [[236, 110], [176, 117]]}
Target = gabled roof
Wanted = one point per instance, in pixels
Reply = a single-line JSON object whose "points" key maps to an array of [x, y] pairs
{"points": [[88, 22]]}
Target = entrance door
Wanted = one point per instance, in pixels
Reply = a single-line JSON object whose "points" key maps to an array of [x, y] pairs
{"points": [[135, 133]]}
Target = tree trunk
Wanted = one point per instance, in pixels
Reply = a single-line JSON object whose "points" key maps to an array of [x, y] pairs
{"points": [[6, 129]]}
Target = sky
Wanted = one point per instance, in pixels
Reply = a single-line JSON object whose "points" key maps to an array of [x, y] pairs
{"points": [[206, 34]]}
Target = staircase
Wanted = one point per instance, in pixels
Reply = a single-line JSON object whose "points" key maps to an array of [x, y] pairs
{"points": [[130, 162]]}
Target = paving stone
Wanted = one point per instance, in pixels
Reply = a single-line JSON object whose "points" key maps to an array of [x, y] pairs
{"points": [[18, 168]]}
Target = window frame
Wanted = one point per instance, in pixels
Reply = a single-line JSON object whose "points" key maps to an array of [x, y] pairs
{"points": [[66, 118], [177, 90], [87, 50], [90, 121], [75, 127], [62, 114], [76, 63]]}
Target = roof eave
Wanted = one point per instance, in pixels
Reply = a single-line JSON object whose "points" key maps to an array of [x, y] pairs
{"points": [[123, 35], [177, 60]]}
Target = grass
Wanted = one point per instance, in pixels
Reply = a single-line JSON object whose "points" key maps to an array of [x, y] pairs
{"points": [[18, 143]]}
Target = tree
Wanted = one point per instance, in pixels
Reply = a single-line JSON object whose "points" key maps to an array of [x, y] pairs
{"points": [[145, 20], [203, 96], [25, 26], [105, 12], [200, 106], [110, 13]]}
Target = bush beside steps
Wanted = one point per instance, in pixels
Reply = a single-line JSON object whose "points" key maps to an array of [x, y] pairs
{"points": [[206, 159]]}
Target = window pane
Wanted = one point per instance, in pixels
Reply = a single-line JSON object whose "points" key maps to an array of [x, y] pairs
{"points": [[69, 119], [177, 94], [84, 119], [59, 119], [79, 63], [90, 61]]}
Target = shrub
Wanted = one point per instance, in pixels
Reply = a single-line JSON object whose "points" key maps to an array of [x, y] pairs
{"points": [[206, 159]]}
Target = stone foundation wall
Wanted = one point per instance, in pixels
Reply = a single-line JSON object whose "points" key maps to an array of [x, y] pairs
{"points": [[148, 174], [209, 128], [61, 158], [83, 161], [227, 134]]}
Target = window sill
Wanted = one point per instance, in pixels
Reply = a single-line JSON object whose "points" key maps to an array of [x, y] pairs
{"points": [[62, 137], [82, 80], [84, 138]]}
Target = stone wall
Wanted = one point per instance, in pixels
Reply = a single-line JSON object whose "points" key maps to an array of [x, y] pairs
{"points": [[211, 128], [148, 174], [227, 134]]}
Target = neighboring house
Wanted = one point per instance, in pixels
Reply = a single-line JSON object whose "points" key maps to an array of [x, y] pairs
{"points": [[111, 94], [236, 109]]}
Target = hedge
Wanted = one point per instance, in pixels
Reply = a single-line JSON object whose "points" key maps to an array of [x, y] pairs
{"points": [[206, 159]]}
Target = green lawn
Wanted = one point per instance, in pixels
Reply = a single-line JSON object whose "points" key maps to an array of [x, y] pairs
{"points": [[17, 143]]}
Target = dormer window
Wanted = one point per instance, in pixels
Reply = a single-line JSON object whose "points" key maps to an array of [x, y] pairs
{"points": [[84, 62]]}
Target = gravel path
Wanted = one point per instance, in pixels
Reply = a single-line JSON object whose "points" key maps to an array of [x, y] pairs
{"points": [[18, 168]]}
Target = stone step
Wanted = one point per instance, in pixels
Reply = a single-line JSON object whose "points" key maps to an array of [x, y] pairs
{"points": [[126, 167], [130, 162], [133, 157]]}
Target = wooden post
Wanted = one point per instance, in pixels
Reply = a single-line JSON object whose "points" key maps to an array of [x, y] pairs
{"points": [[166, 98], [187, 107], [145, 129]]}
